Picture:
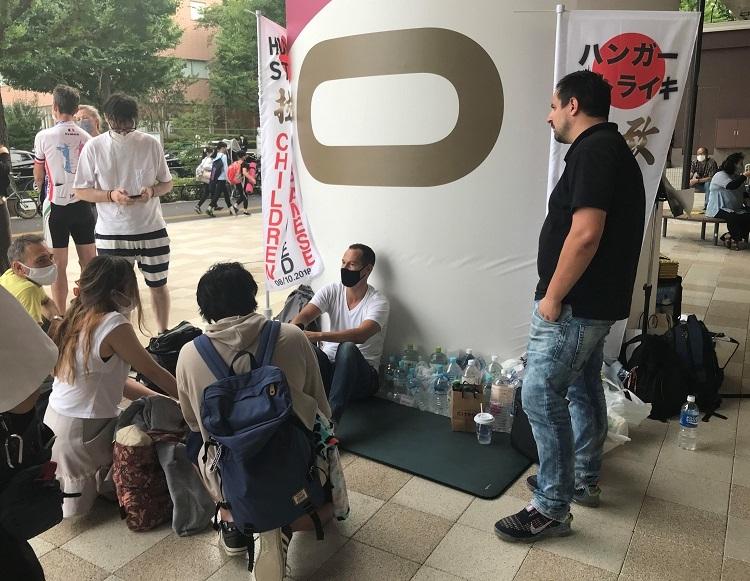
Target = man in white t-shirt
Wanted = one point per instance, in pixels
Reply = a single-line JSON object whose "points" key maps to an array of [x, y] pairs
{"points": [[124, 171], [56, 153], [349, 354]]}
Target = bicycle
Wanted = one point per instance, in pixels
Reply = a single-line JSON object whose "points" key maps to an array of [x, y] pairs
{"points": [[23, 205]]}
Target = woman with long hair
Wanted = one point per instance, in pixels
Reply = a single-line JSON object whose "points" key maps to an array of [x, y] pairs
{"points": [[726, 200], [98, 346]]}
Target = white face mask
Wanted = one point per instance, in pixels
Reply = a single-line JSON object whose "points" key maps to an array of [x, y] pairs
{"points": [[701, 157], [42, 276]]}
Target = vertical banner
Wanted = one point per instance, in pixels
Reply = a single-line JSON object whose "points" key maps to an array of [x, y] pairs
{"points": [[290, 256], [645, 57]]}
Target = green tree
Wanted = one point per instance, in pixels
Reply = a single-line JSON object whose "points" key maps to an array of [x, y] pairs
{"points": [[234, 69], [716, 10], [24, 121], [97, 46], [11, 11]]}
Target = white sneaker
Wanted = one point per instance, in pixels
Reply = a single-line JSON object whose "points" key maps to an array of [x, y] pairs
{"points": [[271, 563]]}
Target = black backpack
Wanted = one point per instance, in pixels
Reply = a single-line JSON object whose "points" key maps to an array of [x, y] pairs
{"points": [[165, 348], [657, 375], [216, 168], [694, 345]]}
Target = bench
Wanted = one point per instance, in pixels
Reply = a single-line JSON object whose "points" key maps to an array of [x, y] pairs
{"points": [[697, 218]]}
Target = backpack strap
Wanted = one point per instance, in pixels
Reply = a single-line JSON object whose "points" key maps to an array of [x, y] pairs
{"points": [[267, 342], [695, 345], [211, 357]]}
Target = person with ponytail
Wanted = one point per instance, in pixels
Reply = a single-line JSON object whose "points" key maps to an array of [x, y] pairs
{"points": [[97, 348]]}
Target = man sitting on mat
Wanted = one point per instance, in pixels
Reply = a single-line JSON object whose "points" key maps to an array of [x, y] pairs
{"points": [[349, 354]]}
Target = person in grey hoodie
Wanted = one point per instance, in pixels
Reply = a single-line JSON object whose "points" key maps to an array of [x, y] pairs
{"points": [[226, 299]]}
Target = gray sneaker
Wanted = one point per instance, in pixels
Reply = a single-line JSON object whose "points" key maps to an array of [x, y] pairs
{"points": [[584, 495]]}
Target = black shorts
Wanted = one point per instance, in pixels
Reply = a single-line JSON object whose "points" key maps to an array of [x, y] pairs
{"points": [[73, 220]]}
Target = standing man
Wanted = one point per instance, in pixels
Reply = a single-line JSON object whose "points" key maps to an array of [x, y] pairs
{"points": [[350, 352], [124, 171], [588, 255], [56, 152], [702, 170]]}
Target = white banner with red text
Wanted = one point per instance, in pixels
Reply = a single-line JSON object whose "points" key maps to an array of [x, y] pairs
{"points": [[289, 253]]}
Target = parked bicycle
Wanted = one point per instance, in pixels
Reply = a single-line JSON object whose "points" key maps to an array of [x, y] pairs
{"points": [[21, 203]]}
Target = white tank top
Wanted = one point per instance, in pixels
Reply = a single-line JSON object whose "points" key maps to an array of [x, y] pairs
{"points": [[95, 394]]}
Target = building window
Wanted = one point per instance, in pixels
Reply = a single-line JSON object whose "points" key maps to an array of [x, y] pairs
{"points": [[196, 10], [198, 69]]}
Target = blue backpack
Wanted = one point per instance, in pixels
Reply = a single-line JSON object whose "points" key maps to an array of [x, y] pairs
{"points": [[265, 456]]}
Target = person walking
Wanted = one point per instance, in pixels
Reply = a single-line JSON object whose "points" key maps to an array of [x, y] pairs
{"points": [[218, 184], [588, 256], [203, 175]]}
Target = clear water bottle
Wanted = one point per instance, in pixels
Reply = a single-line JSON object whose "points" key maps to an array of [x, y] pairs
{"points": [[472, 375], [495, 370], [410, 356], [501, 404], [453, 370], [468, 356], [688, 437], [441, 385], [438, 357], [386, 383], [413, 389], [399, 380]]}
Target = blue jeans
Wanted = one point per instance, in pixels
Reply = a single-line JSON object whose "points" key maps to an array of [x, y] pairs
{"points": [[348, 378], [565, 361]]}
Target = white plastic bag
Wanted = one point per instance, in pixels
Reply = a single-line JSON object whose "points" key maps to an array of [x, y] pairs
{"points": [[625, 404]]}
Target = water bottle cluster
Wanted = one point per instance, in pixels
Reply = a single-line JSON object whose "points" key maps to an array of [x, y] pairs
{"points": [[427, 385]]}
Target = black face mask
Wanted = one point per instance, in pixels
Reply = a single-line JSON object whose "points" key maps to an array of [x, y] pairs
{"points": [[350, 277]]}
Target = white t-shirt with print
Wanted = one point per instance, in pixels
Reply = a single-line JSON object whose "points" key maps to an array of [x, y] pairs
{"points": [[374, 306], [58, 149], [111, 161], [95, 394]]}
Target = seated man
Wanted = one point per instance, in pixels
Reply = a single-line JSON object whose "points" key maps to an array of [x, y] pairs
{"points": [[31, 267], [350, 352], [226, 300]]}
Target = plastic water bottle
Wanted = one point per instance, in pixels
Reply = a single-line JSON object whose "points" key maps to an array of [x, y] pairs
{"points": [[495, 370], [688, 438], [468, 356], [387, 381], [410, 356], [441, 385], [413, 388], [438, 357], [453, 370], [399, 380], [472, 375], [501, 404]]}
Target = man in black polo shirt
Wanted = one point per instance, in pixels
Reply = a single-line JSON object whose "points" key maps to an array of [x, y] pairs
{"points": [[588, 256]]}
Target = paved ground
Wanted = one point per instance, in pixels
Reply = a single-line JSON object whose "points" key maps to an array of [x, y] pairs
{"points": [[173, 212], [666, 513]]}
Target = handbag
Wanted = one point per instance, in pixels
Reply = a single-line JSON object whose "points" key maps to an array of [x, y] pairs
{"points": [[30, 498]]}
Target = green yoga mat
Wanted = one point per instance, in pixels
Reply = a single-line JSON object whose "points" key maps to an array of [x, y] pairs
{"points": [[423, 444]]}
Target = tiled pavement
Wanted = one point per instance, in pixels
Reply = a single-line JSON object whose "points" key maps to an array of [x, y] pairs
{"points": [[665, 514]]}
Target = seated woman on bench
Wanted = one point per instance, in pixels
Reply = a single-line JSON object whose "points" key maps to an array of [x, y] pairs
{"points": [[726, 200]]}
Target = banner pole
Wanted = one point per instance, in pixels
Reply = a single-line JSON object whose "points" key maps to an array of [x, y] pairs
{"points": [[267, 312], [552, 173], [687, 141]]}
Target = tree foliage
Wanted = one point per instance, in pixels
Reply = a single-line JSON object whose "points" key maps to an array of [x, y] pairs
{"points": [[97, 46], [24, 120], [234, 69], [716, 10]]}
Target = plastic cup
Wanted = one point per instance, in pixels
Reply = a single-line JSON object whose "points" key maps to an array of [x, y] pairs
{"points": [[484, 423]]}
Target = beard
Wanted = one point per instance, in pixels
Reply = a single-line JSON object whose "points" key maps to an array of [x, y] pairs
{"points": [[561, 133]]}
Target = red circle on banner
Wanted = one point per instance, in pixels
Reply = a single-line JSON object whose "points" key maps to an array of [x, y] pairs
{"points": [[631, 64]]}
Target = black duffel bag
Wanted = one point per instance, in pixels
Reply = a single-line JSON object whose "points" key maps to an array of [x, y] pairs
{"points": [[165, 348]]}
